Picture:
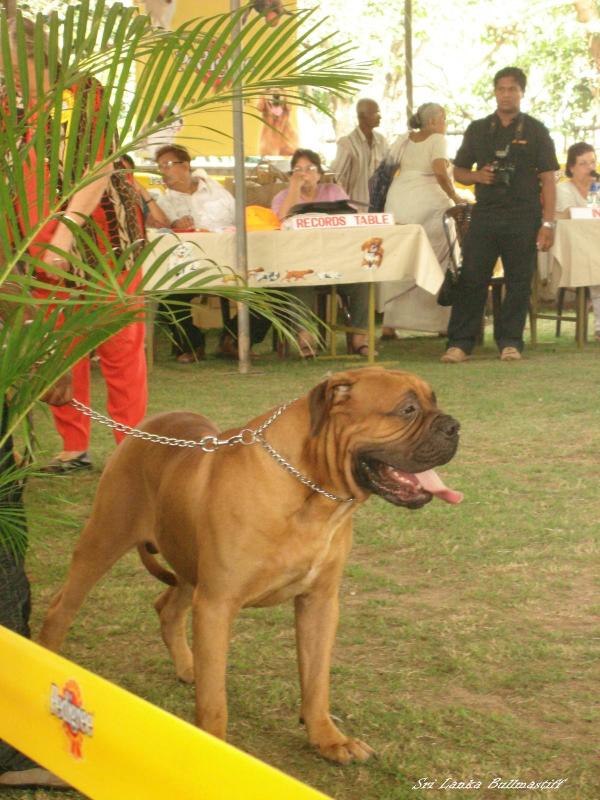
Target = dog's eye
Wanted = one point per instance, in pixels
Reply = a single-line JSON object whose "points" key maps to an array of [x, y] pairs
{"points": [[409, 410]]}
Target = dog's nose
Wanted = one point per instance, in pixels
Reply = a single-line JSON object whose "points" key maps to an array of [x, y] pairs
{"points": [[447, 425]]}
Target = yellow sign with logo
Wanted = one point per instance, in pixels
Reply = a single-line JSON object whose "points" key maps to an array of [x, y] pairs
{"points": [[112, 745]]}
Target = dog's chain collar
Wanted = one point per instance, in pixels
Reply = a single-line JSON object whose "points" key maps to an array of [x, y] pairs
{"points": [[293, 471], [211, 443]]}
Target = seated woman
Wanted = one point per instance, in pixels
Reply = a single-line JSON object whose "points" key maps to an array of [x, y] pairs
{"points": [[581, 164], [306, 187]]}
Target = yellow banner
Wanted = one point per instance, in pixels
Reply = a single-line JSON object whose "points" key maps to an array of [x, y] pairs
{"points": [[112, 745], [218, 141]]}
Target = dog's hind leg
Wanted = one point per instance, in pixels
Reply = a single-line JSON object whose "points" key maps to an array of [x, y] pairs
{"points": [[172, 608], [103, 541]]}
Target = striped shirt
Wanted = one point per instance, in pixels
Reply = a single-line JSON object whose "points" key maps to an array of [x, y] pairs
{"points": [[355, 161]]}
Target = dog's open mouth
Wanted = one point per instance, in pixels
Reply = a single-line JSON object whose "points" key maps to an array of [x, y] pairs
{"points": [[408, 489]]}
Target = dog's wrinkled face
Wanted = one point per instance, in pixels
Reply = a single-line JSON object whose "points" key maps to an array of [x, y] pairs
{"points": [[395, 433], [400, 469]]}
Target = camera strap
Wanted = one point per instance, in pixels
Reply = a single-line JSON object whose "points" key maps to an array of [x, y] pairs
{"points": [[520, 120]]}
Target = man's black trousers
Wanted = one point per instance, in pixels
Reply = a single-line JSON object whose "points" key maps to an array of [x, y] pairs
{"points": [[491, 237]]}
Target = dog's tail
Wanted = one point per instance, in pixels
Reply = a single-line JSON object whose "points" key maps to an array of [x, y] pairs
{"points": [[147, 551]]}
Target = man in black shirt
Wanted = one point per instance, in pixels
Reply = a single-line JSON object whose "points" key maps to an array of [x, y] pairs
{"points": [[515, 161]]}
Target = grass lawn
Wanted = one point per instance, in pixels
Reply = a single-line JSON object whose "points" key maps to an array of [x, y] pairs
{"points": [[469, 636]]}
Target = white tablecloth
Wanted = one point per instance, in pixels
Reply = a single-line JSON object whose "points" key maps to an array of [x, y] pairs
{"points": [[575, 255], [312, 257]]}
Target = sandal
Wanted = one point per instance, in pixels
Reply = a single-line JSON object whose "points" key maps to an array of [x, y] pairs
{"points": [[362, 350], [59, 466]]}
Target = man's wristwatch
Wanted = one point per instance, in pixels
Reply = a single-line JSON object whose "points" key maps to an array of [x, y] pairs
{"points": [[548, 224]]}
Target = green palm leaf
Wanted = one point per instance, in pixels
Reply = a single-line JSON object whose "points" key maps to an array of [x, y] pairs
{"points": [[59, 134]]}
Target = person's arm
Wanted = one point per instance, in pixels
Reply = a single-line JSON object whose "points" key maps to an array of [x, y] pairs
{"points": [[176, 223], [545, 237], [341, 165], [293, 196], [155, 216], [185, 223], [80, 207], [563, 201], [466, 157], [468, 177], [61, 392], [440, 170]]}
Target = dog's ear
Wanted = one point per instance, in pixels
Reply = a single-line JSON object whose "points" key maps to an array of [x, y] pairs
{"points": [[325, 395]]}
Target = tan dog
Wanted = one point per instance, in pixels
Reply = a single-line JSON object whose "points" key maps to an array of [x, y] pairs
{"points": [[240, 530], [278, 137]]}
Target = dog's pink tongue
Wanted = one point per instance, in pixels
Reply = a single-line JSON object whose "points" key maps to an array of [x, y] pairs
{"points": [[431, 482]]}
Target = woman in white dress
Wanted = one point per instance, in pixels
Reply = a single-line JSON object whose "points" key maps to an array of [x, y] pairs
{"points": [[581, 171], [419, 193]]}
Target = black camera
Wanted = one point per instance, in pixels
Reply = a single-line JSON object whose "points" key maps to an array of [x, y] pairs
{"points": [[503, 166]]}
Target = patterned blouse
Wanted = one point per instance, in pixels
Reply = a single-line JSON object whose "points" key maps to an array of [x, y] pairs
{"points": [[117, 215]]}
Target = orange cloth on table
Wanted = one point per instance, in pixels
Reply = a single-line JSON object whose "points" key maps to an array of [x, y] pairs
{"points": [[259, 218]]}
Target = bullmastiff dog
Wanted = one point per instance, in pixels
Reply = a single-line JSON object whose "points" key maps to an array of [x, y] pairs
{"points": [[261, 523]]}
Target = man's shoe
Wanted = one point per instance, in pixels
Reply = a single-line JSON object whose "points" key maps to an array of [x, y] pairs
{"points": [[510, 354], [454, 355], [34, 777], [59, 466]]}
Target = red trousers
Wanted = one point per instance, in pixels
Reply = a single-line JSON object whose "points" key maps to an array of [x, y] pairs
{"points": [[123, 365]]}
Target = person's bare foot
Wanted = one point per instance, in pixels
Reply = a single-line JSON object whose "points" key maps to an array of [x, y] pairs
{"points": [[359, 345], [306, 344], [388, 334]]}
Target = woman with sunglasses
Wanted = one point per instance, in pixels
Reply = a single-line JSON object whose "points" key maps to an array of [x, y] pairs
{"points": [[306, 187]]}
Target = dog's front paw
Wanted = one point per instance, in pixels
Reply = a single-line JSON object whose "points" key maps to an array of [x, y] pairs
{"points": [[346, 751]]}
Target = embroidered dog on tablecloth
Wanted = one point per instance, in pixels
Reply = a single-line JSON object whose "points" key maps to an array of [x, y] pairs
{"points": [[372, 253]]}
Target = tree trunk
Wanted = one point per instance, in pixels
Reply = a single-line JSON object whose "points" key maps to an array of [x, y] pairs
{"points": [[11, 8]]}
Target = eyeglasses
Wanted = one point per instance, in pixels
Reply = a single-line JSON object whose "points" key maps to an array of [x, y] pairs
{"points": [[308, 168], [169, 164]]}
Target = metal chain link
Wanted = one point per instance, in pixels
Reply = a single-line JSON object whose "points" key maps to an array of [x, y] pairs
{"points": [[293, 471], [211, 443]]}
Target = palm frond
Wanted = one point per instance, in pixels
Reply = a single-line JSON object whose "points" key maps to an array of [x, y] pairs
{"points": [[59, 135]]}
